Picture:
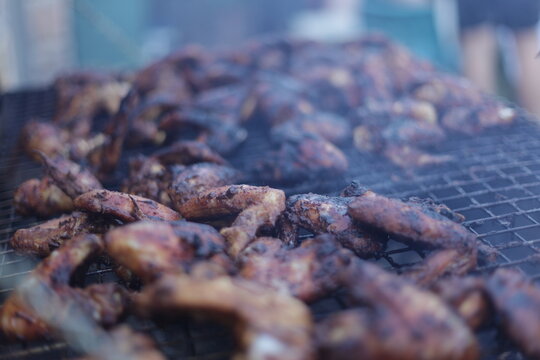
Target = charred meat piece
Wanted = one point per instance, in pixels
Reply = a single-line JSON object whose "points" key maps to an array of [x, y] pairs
{"points": [[407, 156], [384, 111], [328, 126], [187, 153], [308, 272], [473, 120], [81, 96], [123, 343], [211, 128], [124, 207], [267, 325], [151, 249], [440, 264], [73, 179], [234, 102], [324, 214], [42, 239], [279, 98], [410, 222], [47, 138], [255, 207], [41, 198], [517, 300], [301, 159], [148, 178], [45, 302], [428, 206], [400, 322], [193, 180], [468, 298]]}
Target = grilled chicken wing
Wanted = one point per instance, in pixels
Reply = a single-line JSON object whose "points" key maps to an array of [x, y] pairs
{"points": [[325, 214], [41, 198], [410, 222], [517, 300], [42, 137], [124, 207], [468, 298], [400, 322], [308, 272], [151, 249], [193, 180], [42, 239], [148, 178], [73, 179], [268, 325], [256, 207], [45, 302], [301, 159]]}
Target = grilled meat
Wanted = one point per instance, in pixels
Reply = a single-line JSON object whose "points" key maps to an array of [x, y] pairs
{"points": [[267, 325], [211, 128], [42, 239], [148, 178], [473, 120], [442, 263], [124, 207], [328, 126], [193, 180], [123, 343], [25, 315], [41, 198], [255, 208], [324, 214], [301, 159], [47, 138], [151, 249], [410, 222], [73, 179], [187, 153], [407, 156], [308, 272], [400, 322], [517, 301], [468, 298]]}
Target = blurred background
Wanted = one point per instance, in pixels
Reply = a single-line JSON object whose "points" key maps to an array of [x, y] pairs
{"points": [[493, 42]]}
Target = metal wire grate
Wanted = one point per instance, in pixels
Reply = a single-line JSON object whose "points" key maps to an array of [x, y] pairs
{"points": [[494, 182]]}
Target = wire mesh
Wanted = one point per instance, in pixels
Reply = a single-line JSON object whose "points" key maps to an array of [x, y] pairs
{"points": [[494, 181]]}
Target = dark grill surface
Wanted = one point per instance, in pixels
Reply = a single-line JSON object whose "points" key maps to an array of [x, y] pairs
{"points": [[494, 182]]}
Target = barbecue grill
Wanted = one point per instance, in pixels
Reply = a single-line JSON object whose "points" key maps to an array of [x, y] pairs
{"points": [[494, 182]]}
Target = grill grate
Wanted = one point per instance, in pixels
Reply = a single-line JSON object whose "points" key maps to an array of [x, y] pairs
{"points": [[495, 183]]}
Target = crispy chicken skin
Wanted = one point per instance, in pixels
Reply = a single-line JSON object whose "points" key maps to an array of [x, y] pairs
{"points": [[325, 214], [300, 159], [23, 315], [193, 180], [124, 343], [400, 321], [267, 324], [255, 207], [42, 239], [73, 179], [517, 300], [124, 207], [41, 198], [151, 249], [308, 272], [410, 222]]}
